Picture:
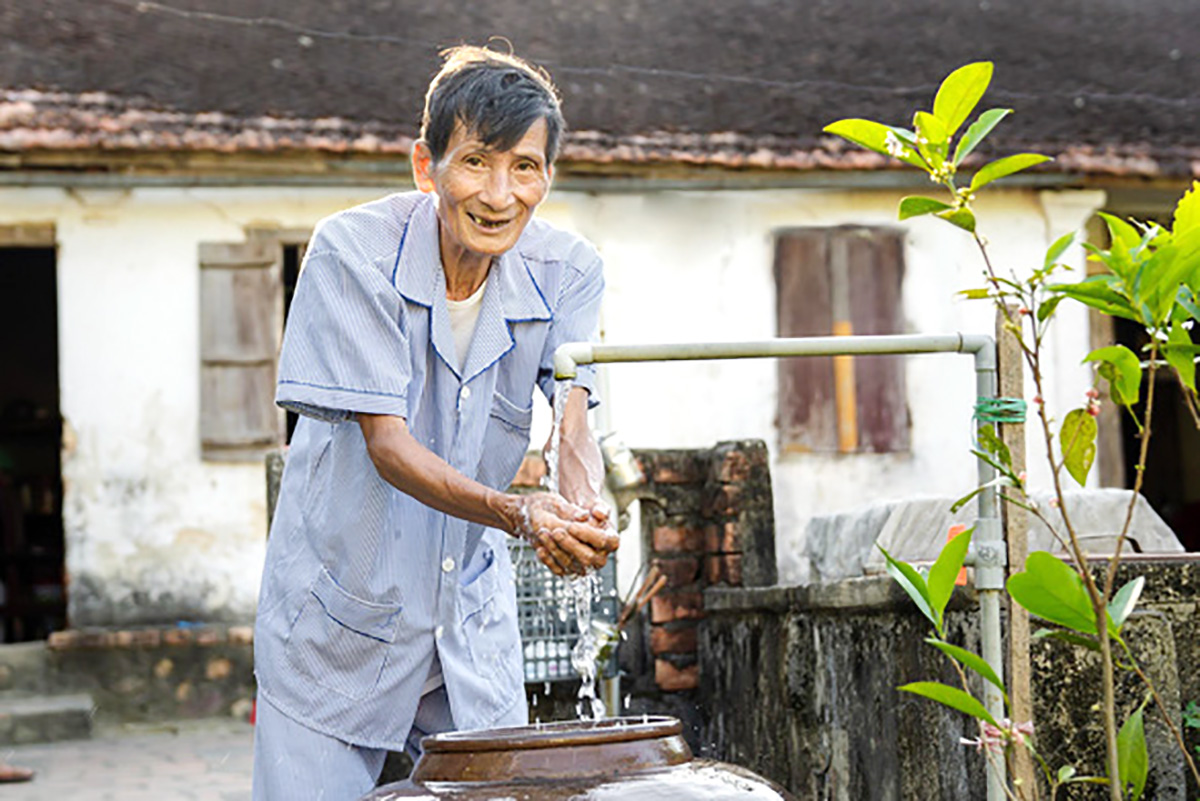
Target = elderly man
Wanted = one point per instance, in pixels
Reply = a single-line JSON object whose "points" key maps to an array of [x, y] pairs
{"points": [[419, 328]]}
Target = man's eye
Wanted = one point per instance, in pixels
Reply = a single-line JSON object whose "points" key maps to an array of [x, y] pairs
{"points": [[473, 161]]}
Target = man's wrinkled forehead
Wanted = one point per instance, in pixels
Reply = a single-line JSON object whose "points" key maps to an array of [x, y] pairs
{"points": [[466, 137]]}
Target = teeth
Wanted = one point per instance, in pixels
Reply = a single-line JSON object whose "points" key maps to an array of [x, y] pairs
{"points": [[487, 223]]}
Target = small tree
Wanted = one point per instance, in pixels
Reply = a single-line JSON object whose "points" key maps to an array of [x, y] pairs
{"points": [[1151, 277]]}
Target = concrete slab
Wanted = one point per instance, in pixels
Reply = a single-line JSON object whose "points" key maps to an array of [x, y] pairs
{"points": [[207, 760]]}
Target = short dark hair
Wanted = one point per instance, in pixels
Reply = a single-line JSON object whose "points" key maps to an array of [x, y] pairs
{"points": [[497, 97]]}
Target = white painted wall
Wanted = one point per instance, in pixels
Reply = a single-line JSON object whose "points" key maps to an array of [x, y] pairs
{"points": [[154, 529], [698, 267]]}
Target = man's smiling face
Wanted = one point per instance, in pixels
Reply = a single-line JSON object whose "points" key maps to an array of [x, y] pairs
{"points": [[486, 197]]}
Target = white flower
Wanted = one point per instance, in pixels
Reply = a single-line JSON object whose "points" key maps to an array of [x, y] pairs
{"points": [[894, 146]]}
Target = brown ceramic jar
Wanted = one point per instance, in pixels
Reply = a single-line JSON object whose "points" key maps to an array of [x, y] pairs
{"points": [[630, 759]]}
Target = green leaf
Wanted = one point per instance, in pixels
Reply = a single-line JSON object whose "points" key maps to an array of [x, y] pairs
{"points": [[993, 444], [961, 217], [874, 136], [1053, 592], [1124, 601], [930, 128], [1078, 442], [1071, 637], [1191, 715], [945, 570], [960, 92], [912, 583], [975, 294], [933, 141], [1066, 773], [1005, 166], [1044, 310], [1099, 292], [1133, 762], [1187, 301], [964, 500], [972, 660], [1178, 351], [1058, 248], [951, 697], [978, 131], [1187, 211], [1121, 232], [915, 206], [1125, 377]]}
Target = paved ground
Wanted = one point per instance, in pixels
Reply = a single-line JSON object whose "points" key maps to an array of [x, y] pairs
{"points": [[193, 761]]}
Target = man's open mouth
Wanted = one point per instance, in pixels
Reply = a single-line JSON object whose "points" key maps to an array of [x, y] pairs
{"points": [[483, 222]]}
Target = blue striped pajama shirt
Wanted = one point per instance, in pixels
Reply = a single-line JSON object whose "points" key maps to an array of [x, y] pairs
{"points": [[361, 581]]}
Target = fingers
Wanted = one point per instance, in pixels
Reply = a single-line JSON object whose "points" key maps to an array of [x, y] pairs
{"points": [[553, 556]]}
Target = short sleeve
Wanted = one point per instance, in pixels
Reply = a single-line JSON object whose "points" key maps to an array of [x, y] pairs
{"points": [[345, 348], [576, 319]]}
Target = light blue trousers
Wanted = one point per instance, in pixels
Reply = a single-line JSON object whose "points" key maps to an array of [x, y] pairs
{"points": [[293, 762]]}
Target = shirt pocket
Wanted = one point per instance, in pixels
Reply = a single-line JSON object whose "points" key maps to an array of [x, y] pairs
{"points": [[489, 621], [340, 641], [505, 441]]}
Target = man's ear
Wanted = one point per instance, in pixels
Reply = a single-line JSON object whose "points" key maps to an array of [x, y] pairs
{"points": [[422, 166]]}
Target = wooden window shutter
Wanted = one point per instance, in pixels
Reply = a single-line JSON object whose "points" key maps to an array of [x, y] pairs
{"points": [[807, 416], [241, 319], [841, 281]]}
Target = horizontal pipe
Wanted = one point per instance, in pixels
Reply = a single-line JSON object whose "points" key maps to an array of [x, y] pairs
{"points": [[572, 354]]}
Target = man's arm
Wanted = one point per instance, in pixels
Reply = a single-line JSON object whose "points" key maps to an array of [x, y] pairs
{"points": [[565, 537], [581, 466]]}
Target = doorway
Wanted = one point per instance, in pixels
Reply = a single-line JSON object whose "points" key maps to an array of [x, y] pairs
{"points": [[32, 585]]}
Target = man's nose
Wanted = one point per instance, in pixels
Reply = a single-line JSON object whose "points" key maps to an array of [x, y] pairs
{"points": [[497, 189]]}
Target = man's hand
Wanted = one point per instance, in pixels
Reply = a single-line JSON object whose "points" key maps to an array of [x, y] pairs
{"points": [[580, 466], [568, 539]]}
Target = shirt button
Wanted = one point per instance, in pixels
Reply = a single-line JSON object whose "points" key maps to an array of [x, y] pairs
{"points": [[447, 565], [438, 632], [465, 393]]}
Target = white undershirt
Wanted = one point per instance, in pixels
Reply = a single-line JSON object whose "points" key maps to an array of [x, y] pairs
{"points": [[463, 316]]}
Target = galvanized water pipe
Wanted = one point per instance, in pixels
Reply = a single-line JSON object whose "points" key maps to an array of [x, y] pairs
{"points": [[989, 556]]}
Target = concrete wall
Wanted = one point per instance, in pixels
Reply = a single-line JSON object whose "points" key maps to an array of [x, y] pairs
{"points": [[154, 534], [799, 684]]}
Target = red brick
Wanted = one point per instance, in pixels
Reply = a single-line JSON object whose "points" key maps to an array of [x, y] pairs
{"points": [[735, 467], [725, 538], [680, 570], [666, 607], [673, 679], [60, 640], [724, 501], [723, 569], [533, 470], [673, 640], [677, 469], [678, 538], [143, 638], [241, 635], [176, 636], [209, 636]]}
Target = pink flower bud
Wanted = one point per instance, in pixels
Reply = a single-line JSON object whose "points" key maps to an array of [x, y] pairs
{"points": [[1093, 409], [1093, 393], [1022, 310], [1038, 400], [1022, 476]]}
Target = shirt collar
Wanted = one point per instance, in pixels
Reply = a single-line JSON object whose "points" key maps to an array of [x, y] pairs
{"points": [[418, 271]]}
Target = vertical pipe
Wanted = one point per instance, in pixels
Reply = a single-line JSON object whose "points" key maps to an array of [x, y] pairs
{"points": [[989, 570]]}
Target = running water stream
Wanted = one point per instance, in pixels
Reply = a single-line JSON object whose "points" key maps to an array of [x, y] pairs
{"points": [[582, 588]]}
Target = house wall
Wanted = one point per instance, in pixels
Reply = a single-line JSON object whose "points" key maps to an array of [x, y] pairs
{"points": [[697, 266], [155, 534]]}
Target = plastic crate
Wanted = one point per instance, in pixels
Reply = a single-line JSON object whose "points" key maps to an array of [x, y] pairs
{"points": [[547, 637]]}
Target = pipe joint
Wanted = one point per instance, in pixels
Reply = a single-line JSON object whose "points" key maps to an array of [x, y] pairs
{"points": [[568, 357]]}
